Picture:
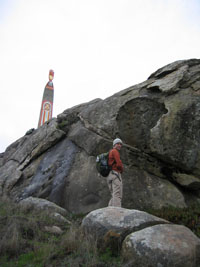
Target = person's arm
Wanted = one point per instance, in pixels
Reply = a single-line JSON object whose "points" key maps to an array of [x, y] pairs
{"points": [[118, 161]]}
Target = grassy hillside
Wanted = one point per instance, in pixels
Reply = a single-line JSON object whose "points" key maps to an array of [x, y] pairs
{"points": [[33, 239], [26, 241]]}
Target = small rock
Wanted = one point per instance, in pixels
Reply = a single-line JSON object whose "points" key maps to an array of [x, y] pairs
{"points": [[53, 230]]}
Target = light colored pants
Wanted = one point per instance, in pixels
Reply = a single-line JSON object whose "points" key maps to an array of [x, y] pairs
{"points": [[114, 181]]}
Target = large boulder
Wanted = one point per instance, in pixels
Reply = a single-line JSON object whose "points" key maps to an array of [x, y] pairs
{"points": [[162, 245], [115, 222], [158, 121], [142, 240], [50, 209]]}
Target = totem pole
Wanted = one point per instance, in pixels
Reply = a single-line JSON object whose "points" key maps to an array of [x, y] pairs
{"points": [[47, 101]]}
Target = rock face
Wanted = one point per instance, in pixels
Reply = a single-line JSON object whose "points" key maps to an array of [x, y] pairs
{"points": [[158, 120]]}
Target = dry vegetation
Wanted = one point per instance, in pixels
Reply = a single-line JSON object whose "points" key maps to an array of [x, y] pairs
{"points": [[24, 242]]}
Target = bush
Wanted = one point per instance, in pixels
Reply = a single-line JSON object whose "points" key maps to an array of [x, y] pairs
{"points": [[190, 217]]}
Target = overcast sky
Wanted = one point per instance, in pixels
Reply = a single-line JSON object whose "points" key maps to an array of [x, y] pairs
{"points": [[95, 47]]}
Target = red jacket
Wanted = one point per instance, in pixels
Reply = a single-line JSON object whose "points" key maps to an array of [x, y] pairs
{"points": [[114, 160]]}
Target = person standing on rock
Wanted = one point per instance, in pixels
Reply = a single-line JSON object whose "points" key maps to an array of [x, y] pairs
{"points": [[114, 178]]}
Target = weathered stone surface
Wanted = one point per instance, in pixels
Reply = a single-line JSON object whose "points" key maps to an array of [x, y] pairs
{"points": [[1, 159], [58, 218], [45, 207], [89, 141], [50, 177], [162, 245], [117, 220], [169, 68], [171, 82], [186, 180], [85, 189], [19, 154], [152, 192], [31, 146], [158, 121], [175, 136], [9, 176], [53, 230], [135, 119], [32, 203], [146, 240]]}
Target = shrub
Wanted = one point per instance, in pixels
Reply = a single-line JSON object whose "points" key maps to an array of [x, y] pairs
{"points": [[190, 216]]}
